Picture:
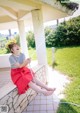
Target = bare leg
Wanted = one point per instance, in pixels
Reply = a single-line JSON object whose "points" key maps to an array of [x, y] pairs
{"points": [[38, 89], [42, 84]]}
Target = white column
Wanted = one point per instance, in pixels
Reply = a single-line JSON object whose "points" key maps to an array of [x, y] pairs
{"points": [[23, 41], [39, 36]]}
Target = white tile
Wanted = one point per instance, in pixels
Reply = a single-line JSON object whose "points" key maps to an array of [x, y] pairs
{"points": [[43, 107], [32, 102], [37, 97], [24, 112], [49, 101], [37, 101], [43, 97], [51, 111], [30, 108], [50, 107], [36, 107], [43, 102], [43, 111], [29, 112], [49, 97], [35, 111], [55, 106]]}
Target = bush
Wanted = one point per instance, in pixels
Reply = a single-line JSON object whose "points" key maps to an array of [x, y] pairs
{"points": [[68, 33], [30, 39], [49, 37]]}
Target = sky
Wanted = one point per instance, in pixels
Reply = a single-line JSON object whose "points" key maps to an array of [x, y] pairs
{"points": [[50, 23]]}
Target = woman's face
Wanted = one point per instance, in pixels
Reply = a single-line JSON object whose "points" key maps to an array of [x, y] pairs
{"points": [[15, 49]]}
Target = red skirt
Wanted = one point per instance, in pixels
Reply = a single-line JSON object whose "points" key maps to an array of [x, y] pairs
{"points": [[21, 78]]}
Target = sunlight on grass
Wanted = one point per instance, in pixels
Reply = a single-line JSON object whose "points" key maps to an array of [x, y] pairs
{"points": [[68, 62], [49, 56], [32, 54], [3, 51]]}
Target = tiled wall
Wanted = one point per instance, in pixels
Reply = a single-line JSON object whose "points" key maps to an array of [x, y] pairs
{"points": [[17, 103]]}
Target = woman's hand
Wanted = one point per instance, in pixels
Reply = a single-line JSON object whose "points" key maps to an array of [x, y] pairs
{"points": [[28, 60], [17, 64]]}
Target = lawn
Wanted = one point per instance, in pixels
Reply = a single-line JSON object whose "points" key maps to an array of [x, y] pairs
{"points": [[3, 51], [67, 61], [32, 54]]}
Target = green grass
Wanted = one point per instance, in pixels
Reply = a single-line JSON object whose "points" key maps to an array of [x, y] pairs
{"points": [[68, 62], [32, 54], [49, 56], [2, 39], [3, 51]]}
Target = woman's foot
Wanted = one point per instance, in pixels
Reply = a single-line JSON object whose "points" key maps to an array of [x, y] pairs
{"points": [[50, 89], [47, 93]]}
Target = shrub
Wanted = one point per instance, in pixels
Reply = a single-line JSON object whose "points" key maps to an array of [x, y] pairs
{"points": [[68, 33], [49, 37], [30, 39]]}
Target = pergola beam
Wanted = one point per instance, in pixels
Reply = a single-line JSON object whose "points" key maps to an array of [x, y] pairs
{"points": [[28, 2], [22, 14], [8, 11], [5, 18], [19, 5]]}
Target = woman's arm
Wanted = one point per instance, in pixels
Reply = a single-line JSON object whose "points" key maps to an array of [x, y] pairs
{"points": [[25, 62]]}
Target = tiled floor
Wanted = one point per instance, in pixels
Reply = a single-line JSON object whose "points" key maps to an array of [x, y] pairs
{"points": [[42, 104]]}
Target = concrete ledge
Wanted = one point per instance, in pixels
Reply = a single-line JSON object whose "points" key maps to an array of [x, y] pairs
{"points": [[5, 58], [15, 102]]}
